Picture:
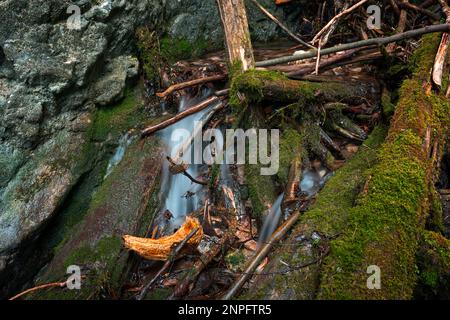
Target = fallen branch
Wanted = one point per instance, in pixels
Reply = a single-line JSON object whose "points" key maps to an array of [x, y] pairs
{"points": [[177, 168], [357, 44], [334, 20], [305, 68], [197, 130], [44, 286], [407, 5], [441, 55], [187, 84], [281, 25], [167, 264], [289, 91], [199, 107], [260, 255]]}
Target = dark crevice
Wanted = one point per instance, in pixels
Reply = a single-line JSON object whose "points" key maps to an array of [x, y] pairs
{"points": [[2, 56]]}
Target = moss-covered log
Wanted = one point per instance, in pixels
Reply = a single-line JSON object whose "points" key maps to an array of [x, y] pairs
{"points": [[257, 85], [378, 222], [328, 216]]}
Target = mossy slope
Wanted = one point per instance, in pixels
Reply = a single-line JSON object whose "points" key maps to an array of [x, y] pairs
{"points": [[385, 225], [117, 208], [370, 216]]}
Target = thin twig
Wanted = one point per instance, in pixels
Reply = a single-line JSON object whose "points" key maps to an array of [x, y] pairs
{"points": [[319, 47], [199, 107], [44, 286], [337, 17]]}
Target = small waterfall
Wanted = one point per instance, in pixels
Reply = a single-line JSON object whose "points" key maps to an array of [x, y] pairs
{"points": [[271, 222], [314, 180], [124, 142], [180, 195]]}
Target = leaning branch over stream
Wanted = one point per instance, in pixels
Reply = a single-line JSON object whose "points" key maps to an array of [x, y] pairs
{"points": [[199, 107], [260, 255], [187, 84]]}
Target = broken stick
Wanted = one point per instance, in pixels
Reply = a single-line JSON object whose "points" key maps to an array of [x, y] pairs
{"points": [[187, 84], [441, 55], [199, 107], [237, 34]]}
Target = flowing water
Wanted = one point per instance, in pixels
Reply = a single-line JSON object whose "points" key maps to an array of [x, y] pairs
{"points": [[180, 195], [124, 142], [312, 181], [271, 222]]}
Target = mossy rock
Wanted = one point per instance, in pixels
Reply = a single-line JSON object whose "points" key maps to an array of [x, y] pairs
{"points": [[119, 206]]}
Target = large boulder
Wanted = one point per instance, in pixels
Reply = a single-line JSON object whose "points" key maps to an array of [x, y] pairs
{"points": [[52, 79]]}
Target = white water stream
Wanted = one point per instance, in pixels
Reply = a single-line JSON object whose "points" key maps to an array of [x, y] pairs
{"points": [[180, 195]]}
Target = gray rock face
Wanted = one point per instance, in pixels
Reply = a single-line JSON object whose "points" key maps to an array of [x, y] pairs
{"points": [[199, 20], [51, 79]]}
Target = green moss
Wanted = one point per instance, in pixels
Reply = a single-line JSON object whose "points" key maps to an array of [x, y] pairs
{"points": [[158, 294], [328, 216], [387, 105], [251, 83], [423, 56], [384, 225], [290, 147], [235, 260], [173, 50], [261, 189], [110, 122], [235, 69], [436, 217], [149, 54], [76, 207], [98, 282], [433, 258]]}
